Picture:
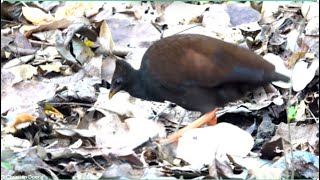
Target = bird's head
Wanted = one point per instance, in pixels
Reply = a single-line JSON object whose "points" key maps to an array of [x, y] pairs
{"points": [[121, 77]]}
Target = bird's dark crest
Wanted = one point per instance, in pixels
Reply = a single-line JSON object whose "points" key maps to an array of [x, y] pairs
{"points": [[122, 67]]}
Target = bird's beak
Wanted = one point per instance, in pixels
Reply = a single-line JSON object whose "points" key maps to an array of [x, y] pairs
{"points": [[112, 92]]}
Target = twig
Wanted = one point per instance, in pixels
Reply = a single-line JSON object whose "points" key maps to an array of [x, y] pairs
{"points": [[160, 112], [97, 164], [313, 116], [288, 120], [180, 121], [41, 43], [188, 28], [289, 134]]}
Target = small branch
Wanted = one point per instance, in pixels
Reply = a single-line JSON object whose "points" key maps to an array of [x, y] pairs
{"points": [[41, 43]]}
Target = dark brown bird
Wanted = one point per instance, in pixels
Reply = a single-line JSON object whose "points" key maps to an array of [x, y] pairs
{"points": [[197, 72]]}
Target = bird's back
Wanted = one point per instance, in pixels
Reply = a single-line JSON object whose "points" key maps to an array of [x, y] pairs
{"points": [[182, 66]]}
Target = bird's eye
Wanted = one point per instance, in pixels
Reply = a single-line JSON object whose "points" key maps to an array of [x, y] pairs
{"points": [[118, 81]]}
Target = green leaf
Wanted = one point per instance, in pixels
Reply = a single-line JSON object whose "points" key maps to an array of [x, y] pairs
{"points": [[292, 112], [6, 165]]}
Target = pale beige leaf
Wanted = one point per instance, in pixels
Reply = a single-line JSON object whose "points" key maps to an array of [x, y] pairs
{"points": [[73, 10], [51, 67], [36, 16], [23, 72], [105, 37]]}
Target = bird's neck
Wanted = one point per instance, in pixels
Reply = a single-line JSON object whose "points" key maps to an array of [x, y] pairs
{"points": [[137, 86]]}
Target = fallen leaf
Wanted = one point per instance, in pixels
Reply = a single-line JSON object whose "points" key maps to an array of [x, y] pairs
{"points": [[51, 111], [310, 10], [105, 37], [300, 82], [312, 28], [242, 14], [280, 68], [23, 96], [175, 13], [14, 143], [20, 119], [301, 111], [36, 16], [307, 158], [73, 132], [58, 24], [196, 148], [216, 18], [18, 61], [77, 9], [47, 36], [23, 72], [299, 134], [266, 173], [51, 67]]}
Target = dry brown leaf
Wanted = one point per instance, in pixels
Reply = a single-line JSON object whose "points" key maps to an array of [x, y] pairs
{"points": [[298, 55], [77, 9], [294, 58], [36, 16], [59, 24], [21, 118], [299, 134]]}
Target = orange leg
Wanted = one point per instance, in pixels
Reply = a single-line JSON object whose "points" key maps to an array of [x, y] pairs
{"points": [[209, 119]]}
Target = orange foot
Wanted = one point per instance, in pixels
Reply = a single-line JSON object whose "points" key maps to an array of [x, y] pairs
{"points": [[209, 118]]}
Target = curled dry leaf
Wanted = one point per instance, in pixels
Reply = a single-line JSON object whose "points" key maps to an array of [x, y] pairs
{"points": [[57, 24], [73, 132], [105, 38], [81, 52], [18, 61], [64, 51], [303, 73], [54, 67], [51, 111], [20, 119], [36, 16]]}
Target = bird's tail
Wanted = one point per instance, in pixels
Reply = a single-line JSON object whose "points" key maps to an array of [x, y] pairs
{"points": [[280, 77]]}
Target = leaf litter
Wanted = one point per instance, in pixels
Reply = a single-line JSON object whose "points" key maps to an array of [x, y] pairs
{"points": [[58, 123]]}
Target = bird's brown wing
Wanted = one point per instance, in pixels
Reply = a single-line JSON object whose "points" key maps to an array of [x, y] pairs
{"points": [[205, 62]]}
